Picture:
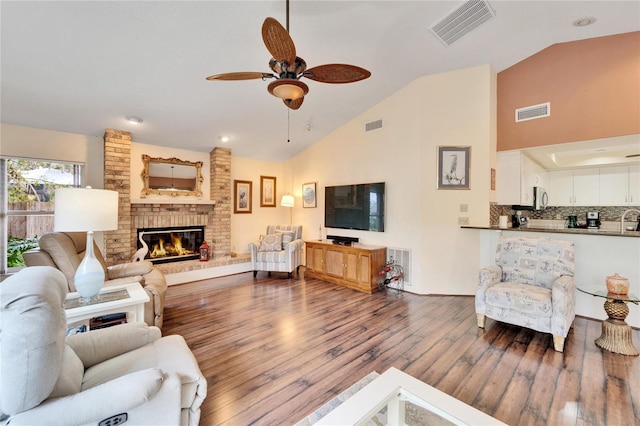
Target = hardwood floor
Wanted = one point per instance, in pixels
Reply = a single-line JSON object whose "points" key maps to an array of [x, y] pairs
{"points": [[273, 350]]}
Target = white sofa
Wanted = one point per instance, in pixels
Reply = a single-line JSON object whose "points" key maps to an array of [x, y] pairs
{"points": [[126, 370]]}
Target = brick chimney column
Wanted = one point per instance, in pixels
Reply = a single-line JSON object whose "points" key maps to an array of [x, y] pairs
{"points": [[117, 177], [220, 179]]}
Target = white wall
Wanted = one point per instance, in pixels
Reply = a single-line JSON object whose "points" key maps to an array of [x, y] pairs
{"points": [[27, 142], [456, 109], [247, 227], [137, 149]]}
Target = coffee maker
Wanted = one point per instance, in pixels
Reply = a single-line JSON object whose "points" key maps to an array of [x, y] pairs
{"points": [[593, 220]]}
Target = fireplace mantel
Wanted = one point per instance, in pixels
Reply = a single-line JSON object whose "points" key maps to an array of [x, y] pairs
{"points": [[170, 201]]}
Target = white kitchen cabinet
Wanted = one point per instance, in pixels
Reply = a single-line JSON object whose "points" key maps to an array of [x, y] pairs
{"points": [[586, 189], [579, 187], [620, 186], [614, 186], [516, 175], [634, 185], [560, 189]]}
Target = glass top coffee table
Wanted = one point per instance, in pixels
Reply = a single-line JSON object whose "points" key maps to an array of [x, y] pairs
{"points": [[616, 333], [396, 398]]}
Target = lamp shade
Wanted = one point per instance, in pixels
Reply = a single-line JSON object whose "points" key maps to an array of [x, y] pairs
{"points": [[287, 201], [288, 89], [85, 209]]}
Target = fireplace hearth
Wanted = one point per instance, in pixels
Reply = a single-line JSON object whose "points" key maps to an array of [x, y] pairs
{"points": [[170, 244]]}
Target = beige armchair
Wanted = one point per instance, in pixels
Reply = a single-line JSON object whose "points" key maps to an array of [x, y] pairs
{"points": [[125, 372], [280, 250], [531, 285], [65, 251]]}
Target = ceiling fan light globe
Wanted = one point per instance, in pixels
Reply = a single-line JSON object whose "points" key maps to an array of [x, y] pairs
{"points": [[288, 89]]}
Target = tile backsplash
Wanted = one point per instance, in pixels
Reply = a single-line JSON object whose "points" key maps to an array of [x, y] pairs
{"points": [[554, 217]]}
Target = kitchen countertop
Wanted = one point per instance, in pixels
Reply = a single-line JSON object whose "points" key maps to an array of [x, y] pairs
{"points": [[579, 231]]}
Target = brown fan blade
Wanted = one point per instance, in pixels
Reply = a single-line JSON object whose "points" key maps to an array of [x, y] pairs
{"points": [[278, 41], [337, 73], [240, 76], [295, 104]]}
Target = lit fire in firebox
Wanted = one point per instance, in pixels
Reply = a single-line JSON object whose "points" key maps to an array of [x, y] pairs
{"points": [[173, 248]]}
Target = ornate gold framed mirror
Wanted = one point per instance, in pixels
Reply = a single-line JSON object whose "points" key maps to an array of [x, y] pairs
{"points": [[171, 176]]}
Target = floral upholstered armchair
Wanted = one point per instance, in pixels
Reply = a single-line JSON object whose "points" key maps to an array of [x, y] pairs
{"points": [[280, 250], [532, 285]]}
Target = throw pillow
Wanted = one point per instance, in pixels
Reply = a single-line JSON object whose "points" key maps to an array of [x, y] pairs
{"points": [[272, 242], [287, 237]]}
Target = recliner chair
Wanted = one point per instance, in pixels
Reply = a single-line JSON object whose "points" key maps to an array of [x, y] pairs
{"points": [[122, 372], [65, 251], [531, 285]]}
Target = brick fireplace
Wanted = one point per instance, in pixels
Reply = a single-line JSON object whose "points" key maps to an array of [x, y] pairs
{"points": [[216, 219]]}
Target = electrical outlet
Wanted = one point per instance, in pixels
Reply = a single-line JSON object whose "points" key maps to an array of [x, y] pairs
{"points": [[463, 221], [464, 208]]}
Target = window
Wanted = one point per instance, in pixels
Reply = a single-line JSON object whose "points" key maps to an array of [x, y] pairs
{"points": [[28, 188]]}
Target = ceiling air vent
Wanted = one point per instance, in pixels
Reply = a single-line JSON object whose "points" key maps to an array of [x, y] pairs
{"points": [[533, 112], [463, 19], [373, 125]]}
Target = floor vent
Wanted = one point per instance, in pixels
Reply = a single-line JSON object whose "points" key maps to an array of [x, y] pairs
{"points": [[533, 112], [403, 258], [463, 19], [373, 125]]}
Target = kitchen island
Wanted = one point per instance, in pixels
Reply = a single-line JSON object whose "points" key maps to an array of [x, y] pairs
{"points": [[599, 254]]}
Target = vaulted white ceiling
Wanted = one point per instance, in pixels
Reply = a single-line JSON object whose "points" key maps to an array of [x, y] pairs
{"points": [[82, 67]]}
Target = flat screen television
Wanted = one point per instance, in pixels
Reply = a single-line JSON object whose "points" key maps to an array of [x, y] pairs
{"points": [[358, 206]]}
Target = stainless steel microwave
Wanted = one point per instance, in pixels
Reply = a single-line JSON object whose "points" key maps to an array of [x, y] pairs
{"points": [[540, 198]]}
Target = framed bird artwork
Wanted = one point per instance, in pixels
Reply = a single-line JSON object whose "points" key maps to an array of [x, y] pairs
{"points": [[454, 167]]}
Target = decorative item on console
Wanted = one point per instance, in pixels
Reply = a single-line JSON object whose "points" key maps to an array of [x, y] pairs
{"points": [[617, 284]]}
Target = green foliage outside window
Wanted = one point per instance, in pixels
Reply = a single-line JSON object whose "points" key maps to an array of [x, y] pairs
{"points": [[17, 246]]}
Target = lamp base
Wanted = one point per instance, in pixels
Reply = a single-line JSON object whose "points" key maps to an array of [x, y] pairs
{"points": [[89, 276]]}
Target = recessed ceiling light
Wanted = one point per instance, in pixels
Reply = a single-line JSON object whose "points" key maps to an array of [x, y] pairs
{"points": [[134, 119], [601, 150], [583, 22], [224, 139]]}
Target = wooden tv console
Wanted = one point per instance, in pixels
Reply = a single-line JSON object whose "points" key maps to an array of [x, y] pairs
{"points": [[355, 266]]}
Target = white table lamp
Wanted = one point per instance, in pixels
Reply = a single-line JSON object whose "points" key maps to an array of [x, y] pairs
{"points": [[86, 209]]}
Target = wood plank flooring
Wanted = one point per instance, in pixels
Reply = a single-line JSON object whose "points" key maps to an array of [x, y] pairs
{"points": [[273, 350]]}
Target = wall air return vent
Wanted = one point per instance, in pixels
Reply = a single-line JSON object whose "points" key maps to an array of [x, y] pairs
{"points": [[533, 112], [373, 125], [403, 258], [463, 19]]}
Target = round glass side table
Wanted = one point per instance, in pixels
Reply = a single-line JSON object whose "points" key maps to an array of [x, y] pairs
{"points": [[616, 333]]}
